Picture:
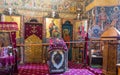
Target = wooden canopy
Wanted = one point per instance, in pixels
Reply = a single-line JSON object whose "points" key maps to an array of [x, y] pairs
{"points": [[110, 34]]}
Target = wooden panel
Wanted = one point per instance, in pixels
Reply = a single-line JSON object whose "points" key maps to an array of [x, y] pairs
{"points": [[118, 70], [112, 58], [109, 58], [105, 54]]}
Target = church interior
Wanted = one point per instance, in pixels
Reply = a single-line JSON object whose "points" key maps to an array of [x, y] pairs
{"points": [[59, 37]]}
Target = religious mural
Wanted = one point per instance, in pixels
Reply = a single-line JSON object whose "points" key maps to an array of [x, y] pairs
{"points": [[44, 5], [110, 14], [103, 18]]}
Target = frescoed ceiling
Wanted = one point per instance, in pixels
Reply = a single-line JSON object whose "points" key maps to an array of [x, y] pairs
{"points": [[46, 5]]}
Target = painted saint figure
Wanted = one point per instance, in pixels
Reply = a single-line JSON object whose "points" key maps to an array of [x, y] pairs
{"points": [[53, 30], [51, 25], [102, 18], [66, 37], [81, 31], [115, 17]]}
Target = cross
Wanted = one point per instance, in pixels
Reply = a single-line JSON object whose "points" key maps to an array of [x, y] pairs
{"points": [[34, 29]]}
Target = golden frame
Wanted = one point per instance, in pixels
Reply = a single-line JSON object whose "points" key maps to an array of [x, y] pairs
{"points": [[48, 21], [78, 24]]}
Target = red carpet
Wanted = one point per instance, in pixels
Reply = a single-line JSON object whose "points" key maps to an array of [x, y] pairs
{"points": [[33, 69], [42, 69]]}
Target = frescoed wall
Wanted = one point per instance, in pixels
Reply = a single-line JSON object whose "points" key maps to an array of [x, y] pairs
{"points": [[65, 8], [91, 17], [101, 17], [95, 3], [106, 15], [44, 5]]}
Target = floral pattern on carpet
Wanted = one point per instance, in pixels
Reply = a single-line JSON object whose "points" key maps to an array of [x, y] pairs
{"points": [[43, 69]]}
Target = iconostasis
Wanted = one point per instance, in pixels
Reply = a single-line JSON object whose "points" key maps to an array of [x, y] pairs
{"points": [[49, 30]]}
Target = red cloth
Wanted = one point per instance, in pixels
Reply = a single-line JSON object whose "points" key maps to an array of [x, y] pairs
{"points": [[8, 26], [7, 60], [33, 28]]}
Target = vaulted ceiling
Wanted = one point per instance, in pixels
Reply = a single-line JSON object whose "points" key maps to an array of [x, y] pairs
{"points": [[47, 5]]}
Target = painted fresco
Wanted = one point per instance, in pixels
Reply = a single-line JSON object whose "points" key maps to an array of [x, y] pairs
{"points": [[43, 5], [100, 18], [103, 18], [91, 18], [106, 15]]}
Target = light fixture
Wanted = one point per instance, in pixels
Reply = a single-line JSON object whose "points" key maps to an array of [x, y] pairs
{"points": [[78, 16], [53, 14]]}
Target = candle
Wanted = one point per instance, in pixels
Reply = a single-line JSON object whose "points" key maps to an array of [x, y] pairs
{"points": [[53, 14], [10, 10]]}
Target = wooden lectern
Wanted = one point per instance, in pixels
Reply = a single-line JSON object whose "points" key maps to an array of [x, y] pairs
{"points": [[110, 39]]}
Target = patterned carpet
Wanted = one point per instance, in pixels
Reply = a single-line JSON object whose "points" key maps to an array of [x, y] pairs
{"points": [[42, 69], [33, 69]]}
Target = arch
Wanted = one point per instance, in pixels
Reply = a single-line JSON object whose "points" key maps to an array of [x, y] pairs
{"points": [[33, 54], [33, 20]]}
